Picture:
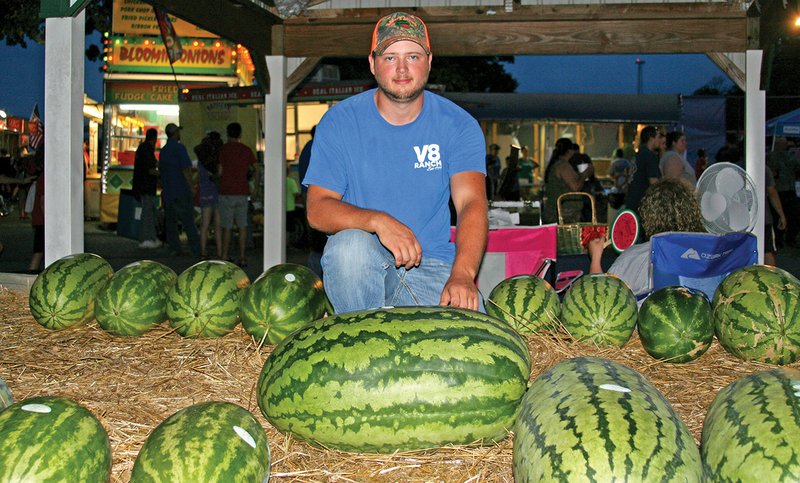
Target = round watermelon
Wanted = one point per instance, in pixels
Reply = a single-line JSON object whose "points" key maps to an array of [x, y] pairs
{"points": [[280, 301], [592, 419], [52, 439], [675, 324], [204, 301], [135, 299], [6, 399], [212, 441], [752, 429], [63, 295], [237, 274], [527, 303], [601, 309], [757, 314]]}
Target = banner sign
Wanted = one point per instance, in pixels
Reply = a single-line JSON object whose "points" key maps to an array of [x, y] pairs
{"points": [[141, 93], [133, 54], [326, 92], [61, 8], [243, 95], [133, 17], [168, 35]]}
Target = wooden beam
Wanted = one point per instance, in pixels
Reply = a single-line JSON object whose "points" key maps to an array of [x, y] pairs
{"points": [[301, 72], [532, 30], [735, 72]]}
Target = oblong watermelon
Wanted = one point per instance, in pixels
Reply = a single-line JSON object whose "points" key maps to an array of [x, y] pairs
{"points": [[280, 301], [396, 379], [601, 309], [204, 301], [591, 419], [52, 439], [675, 324], [752, 429], [757, 314], [527, 303], [63, 295], [212, 441], [134, 300]]}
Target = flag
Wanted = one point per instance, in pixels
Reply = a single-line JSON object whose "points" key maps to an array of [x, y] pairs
{"points": [[35, 129], [171, 41]]}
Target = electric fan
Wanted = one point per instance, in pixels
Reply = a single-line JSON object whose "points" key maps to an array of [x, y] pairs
{"points": [[728, 200]]}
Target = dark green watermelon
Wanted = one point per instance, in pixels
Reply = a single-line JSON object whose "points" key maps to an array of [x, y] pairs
{"points": [[675, 324]]}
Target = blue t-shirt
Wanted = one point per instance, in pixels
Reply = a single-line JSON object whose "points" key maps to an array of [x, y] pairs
{"points": [[171, 162], [401, 170]]}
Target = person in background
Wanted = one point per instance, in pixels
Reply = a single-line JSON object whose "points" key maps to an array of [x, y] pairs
{"points": [[526, 167], [175, 169], [492, 171], [770, 247], [384, 165], [36, 170], [509, 180], [236, 164], [646, 170], [294, 197], [785, 169], [559, 178], [672, 164], [701, 164], [304, 160], [729, 153], [145, 184], [207, 168], [86, 159], [317, 239], [619, 170], [668, 205]]}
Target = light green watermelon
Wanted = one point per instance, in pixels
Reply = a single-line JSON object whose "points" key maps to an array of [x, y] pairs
{"points": [[52, 439], [752, 429], [591, 419], [204, 301], [675, 324], [212, 441], [396, 379], [757, 314], [134, 300], [280, 301], [601, 309], [63, 295], [527, 303]]}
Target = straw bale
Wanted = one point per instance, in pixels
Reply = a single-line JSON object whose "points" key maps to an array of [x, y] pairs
{"points": [[132, 384]]}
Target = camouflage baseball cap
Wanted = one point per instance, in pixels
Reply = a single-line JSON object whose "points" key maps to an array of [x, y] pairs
{"points": [[396, 27]]}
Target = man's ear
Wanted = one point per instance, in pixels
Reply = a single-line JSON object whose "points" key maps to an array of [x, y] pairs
{"points": [[371, 58]]}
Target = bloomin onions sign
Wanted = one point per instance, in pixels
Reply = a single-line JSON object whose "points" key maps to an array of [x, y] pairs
{"points": [[131, 54]]}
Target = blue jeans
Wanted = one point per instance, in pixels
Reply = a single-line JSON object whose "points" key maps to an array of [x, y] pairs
{"points": [[359, 273], [181, 209], [147, 228]]}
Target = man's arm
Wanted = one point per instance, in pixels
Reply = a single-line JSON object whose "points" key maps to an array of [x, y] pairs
{"points": [[468, 190], [327, 213], [775, 201]]}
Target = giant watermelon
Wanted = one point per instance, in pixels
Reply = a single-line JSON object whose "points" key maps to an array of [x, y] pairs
{"points": [[675, 324], [204, 301], [52, 439], [396, 379], [752, 429], [63, 295], [281, 300], [601, 309], [591, 419], [527, 303], [757, 314], [212, 441], [135, 299]]}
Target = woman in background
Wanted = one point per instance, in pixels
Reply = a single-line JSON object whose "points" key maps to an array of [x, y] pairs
{"points": [[559, 178], [672, 164]]}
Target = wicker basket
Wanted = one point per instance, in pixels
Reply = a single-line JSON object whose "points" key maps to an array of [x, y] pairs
{"points": [[570, 235]]}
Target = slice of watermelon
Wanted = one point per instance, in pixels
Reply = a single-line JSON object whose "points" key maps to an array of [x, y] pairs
{"points": [[625, 230]]}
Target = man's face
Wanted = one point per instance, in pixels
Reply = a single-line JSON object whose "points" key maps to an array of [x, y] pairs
{"points": [[401, 70], [661, 141]]}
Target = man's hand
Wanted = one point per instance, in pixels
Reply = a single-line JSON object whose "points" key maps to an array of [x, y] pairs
{"points": [[399, 240], [460, 291]]}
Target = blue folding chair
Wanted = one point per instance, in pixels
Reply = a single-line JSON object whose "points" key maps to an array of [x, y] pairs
{"points": [[699, 260]]}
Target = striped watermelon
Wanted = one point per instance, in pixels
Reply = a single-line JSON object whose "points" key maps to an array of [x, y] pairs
{"points": [[281, 300], [527, 303], [6, 399], [135, 299], [675, 324], [63, 295], [757, 314], [591, 419], [239, 276], [600, 308], [212, 441], [204, 302], [752, 429], [396, 379], [52, 439]]}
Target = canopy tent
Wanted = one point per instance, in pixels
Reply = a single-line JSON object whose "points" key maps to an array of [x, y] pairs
{"points": [[787, 125]]}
